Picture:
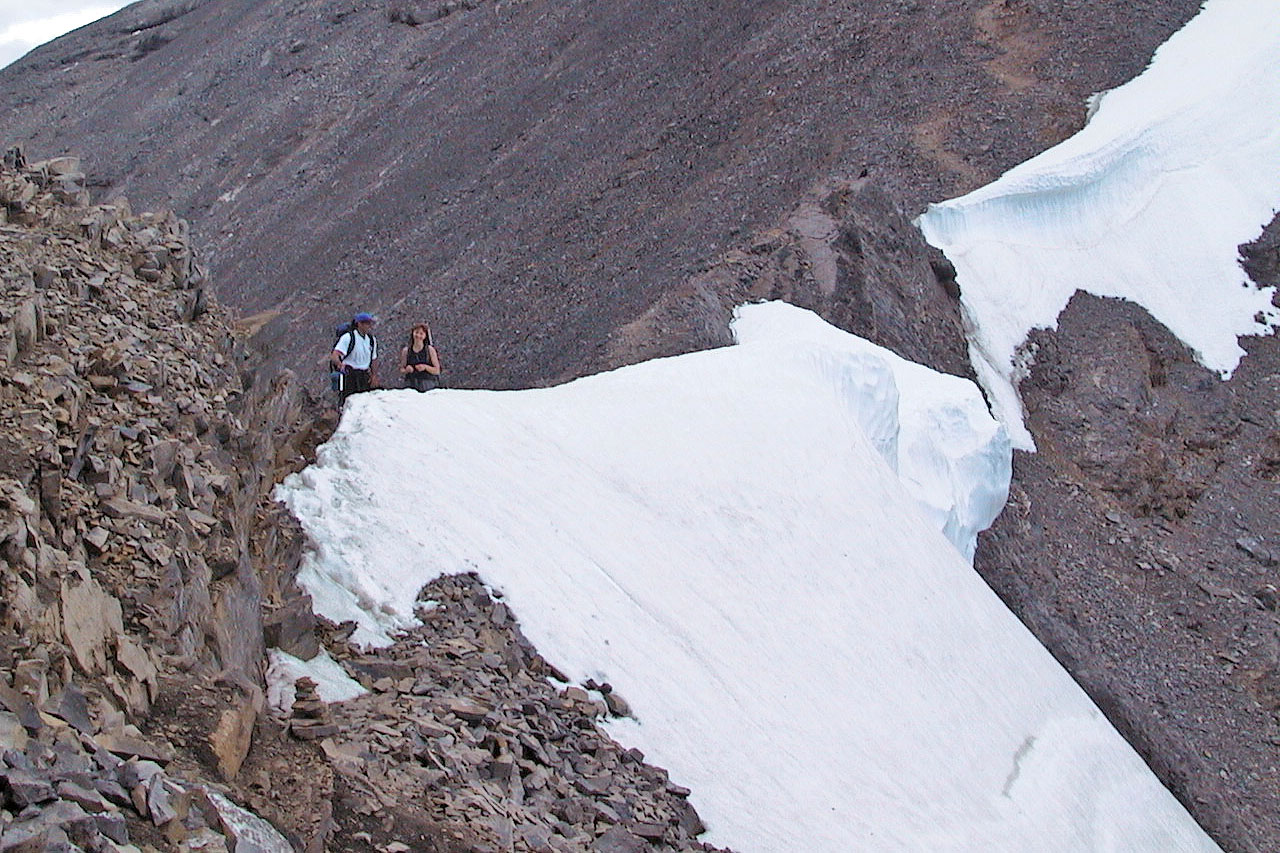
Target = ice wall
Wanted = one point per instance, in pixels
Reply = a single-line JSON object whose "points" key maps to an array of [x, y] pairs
{"points": [[1148, 202], [934, 431]]}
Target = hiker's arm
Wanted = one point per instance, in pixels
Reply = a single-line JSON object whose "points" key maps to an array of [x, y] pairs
{"points": [[434, 367], [373, 373], [335, 358]]}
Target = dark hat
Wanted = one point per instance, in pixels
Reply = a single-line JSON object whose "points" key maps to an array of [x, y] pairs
{"points": [[363, 317]]}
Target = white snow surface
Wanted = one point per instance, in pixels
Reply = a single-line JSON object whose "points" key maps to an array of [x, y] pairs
{"points": [[332, 682], [723, 537], [1148, 202], [948, 452]]}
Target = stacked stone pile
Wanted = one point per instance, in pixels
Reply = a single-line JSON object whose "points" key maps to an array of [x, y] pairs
{"points": [[310, 713], [463, 722]]}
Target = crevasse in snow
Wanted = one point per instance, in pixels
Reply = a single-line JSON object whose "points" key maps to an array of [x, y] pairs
{"points": [[1148, 202], [724, 538]]}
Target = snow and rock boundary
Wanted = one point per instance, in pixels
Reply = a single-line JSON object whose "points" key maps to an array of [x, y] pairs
{"points": [[1148, 202], [722, 537]]}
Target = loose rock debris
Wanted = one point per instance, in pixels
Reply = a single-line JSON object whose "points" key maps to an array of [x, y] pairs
{"points": [[464, 722]]}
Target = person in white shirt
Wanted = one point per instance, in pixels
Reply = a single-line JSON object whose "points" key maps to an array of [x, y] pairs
{"points": [[355, 356]]}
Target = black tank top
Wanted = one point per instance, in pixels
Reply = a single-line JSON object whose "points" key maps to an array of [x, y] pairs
{"points": [[423, 357]]}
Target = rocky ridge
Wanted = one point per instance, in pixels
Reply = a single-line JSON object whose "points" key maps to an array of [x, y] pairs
{"points": [[131, 489], [146, 571], [1136, 544]]}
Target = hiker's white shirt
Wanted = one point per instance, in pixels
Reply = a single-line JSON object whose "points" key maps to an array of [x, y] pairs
{"points": [[362, 354]]}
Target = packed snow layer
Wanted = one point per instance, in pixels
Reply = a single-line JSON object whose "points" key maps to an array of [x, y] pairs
{"points": [[723, 538], [1148, 202], [940, 438]]}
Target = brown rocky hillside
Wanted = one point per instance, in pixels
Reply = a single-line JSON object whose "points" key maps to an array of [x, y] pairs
{"points": [[561, 187], [534, 176], [146, 571]]}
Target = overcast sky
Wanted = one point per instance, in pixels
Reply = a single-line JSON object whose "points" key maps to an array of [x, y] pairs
{"points": [[25, 24]]}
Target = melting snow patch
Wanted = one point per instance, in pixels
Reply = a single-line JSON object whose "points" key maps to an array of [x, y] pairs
{"points": [[1148, 202], [332, 682]]}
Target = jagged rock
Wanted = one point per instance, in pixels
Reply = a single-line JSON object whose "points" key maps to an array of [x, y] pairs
{"points": [[71, 706], [312, 729], [113, 826], [89, 800], [12, 733], [119, 507], [652, 832], [292, 629], [618, 840], [127, 745], [90, 617], [464, 709], [133, 658], [34, 835], [689, 821], [1258, 551], [24, 789], [21, 707], [166, 800], [206, 841], [97, 538], [376, 668], [134, 773], [247, 832], [233, 736]]}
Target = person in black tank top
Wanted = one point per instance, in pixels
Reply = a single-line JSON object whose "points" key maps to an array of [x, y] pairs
{"points": [[419, 362]]}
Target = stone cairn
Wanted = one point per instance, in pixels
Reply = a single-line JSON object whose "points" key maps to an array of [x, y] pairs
{"points": [[310, 714]]}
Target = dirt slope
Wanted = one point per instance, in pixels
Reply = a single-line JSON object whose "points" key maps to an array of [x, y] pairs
{"points": [[533, 175]]}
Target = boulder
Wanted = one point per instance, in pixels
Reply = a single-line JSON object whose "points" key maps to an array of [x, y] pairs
{"points": [[90, 619], [12, 733], [232, 737], [292, 629], [618, 840], [247, 832]]}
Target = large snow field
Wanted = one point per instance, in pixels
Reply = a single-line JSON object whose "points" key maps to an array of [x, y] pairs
{"points": [[748, 543], [1148, 202]]}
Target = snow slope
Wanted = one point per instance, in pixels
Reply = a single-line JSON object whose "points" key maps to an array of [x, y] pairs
{"points": [[940, 438], [723, 537], [1148, 202]]}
